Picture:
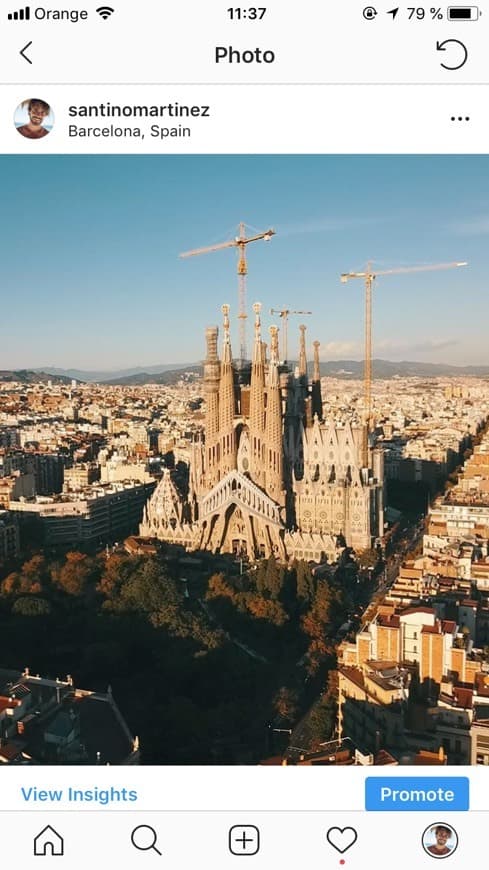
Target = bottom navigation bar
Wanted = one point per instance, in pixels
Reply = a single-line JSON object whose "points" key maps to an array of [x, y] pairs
{"points": [[287, 840]]}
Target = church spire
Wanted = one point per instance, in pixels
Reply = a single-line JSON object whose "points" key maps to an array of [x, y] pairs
{"points": [[257, 377], [226, 401], [316, 374], [316, 399], [273, 430], [212, 371], [226, 348], [257, 346], [273, 356], [257, 394]]}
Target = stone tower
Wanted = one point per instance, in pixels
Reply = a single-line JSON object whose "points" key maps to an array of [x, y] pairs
{"points": [[227, 403], [257, 405], [316, 399], [212, 374], [273, 426]]}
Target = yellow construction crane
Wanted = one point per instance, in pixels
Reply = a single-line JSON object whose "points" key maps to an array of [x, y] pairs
{"points": [[369, 277], [240, 242], [284, 314]]}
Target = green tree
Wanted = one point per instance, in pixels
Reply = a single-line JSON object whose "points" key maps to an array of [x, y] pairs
{"points": [[31, 606], [261, 577], [274, 578], [78, 576], [286, 703], [218, 587], [35, 573], [12, 584], [322, 721], [367, 559], [305, 583], [148, 590], [316, 621], [265, 608], [115, 571]]}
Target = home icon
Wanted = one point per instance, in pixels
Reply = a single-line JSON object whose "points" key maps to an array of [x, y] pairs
{"points": [[48, 842]]}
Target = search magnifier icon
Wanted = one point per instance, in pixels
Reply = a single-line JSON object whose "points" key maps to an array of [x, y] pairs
{"points": [[144, 838]]}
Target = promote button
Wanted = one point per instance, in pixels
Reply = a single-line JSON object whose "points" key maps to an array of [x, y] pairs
{"points": [[417, 793]]}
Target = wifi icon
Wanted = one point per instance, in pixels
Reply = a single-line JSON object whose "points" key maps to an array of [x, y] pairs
{"points": [[105, 11]]}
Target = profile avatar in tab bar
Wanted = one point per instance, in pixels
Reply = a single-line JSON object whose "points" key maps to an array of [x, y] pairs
{"points": [[440, 840]]}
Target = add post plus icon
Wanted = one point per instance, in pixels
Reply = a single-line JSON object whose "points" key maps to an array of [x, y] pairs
{"points": [[244, 840]]}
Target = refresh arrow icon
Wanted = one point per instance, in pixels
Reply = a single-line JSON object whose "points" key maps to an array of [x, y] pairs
{"points": [[442, 46]]}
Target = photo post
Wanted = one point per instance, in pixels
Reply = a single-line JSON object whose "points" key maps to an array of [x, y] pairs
{"points": [[244, 434]]}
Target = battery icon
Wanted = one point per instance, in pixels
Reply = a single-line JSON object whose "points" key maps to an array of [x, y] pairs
{"points": [[463, 13]]}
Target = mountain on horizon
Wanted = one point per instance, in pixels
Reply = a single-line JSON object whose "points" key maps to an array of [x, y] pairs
{"points": [[347, 369], [32, 376], [101, 375], [166, 373]]}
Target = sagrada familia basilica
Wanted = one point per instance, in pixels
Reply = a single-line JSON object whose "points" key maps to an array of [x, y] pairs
{"points": [[270, 475]]}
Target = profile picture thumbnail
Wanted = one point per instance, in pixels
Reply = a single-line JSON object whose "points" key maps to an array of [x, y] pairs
{"points": [[34, 118], [440, 840]]}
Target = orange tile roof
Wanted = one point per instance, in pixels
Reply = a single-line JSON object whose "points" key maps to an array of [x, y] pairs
{"points": [[417, 610], [389, 621], [7, 703], [463, 697]]}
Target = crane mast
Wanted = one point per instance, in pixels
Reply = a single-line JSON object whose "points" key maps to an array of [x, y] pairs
{"points": [[284, 314], [242, 273], [239, 242], [369, 277]]}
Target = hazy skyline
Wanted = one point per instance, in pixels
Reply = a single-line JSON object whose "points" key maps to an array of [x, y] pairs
{"points": [[91, 276]]}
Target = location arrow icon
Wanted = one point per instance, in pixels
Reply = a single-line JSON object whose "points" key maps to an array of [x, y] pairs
{"points": [[393, 12]]}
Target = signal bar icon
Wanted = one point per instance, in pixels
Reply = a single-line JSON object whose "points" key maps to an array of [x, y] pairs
{"points": [[20, 14]]}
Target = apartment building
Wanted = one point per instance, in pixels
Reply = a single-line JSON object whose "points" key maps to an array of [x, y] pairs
{"points": [[98, 515]]}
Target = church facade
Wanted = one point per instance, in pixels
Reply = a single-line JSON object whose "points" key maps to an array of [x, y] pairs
{"points": [[270, 475]]}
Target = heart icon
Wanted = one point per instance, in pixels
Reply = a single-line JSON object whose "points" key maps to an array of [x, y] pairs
{"points": [[341, 839]]}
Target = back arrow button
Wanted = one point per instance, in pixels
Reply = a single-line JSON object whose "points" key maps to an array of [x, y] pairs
{"points": [[22, 50]]}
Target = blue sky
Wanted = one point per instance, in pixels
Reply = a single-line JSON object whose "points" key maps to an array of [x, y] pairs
{"points": [[90, 275]]}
